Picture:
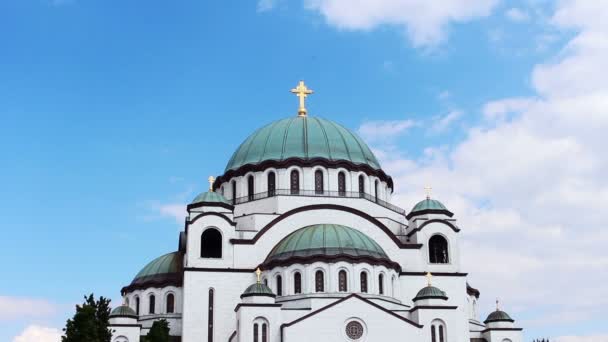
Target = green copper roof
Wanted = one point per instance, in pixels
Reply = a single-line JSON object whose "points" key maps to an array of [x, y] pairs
{"points": [[258, 289], [210, 196], [123, 310], [302, 137], [428, 204], [498, 316], [166, 265], [430, 292], [326, 240]]}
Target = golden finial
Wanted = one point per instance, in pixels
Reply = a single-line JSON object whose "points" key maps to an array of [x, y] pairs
{"points": [[497, 306], [211, 179], [428, 190], [429, 278], [258, 273], [302, 92]]}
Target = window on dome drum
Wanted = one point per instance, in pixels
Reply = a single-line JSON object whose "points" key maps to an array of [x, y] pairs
{"points": [[319, 281], [152, 302], [361, 186], [319, 182], [266, 281], [250, 190], [211, 244], [297, 283], [279, 285], [381, 284], [342, 282], [341, 184], [210, 317], [170, 303], [264, 333], [363, 278], [137, 305], [438, 331], [233, 192], [438, 250], [255, 332], [433, 334], [294, 182], [376, 186], [272, 184]]}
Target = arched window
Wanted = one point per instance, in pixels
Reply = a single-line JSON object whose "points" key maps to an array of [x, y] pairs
{"points": [[438, 331], [279, 285], [250, 190], [294, 182], [272, 184], [137, 305], [264, 332], [441, 337], [260, 324], [433, 334], [376, 189], [319, 182], [297, 283], [319, 281], [266, 281], [233, 192], [393, 293], [361, 186], [211, 244], [342, 282], [363, 278], [152, 302], [438, 250], [341, 184], [255, 332], [381, 284], [170, 303], [210, 312]]}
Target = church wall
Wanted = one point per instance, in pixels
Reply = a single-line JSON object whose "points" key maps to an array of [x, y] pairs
{"points": [[248, 316], [125, 333], [503, 336], [455, 331], [193, 244]]}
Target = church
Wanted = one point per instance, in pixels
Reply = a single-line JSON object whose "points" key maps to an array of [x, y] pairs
{"points": [[298, 241]]}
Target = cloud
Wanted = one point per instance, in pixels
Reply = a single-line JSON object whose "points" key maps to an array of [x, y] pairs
{"points": [[177, 211], [266, 5], [12, 308], [517, 15], [441, 123], [596, 338], [35, 333], [425, 22], [374, 131], [528, 183]]}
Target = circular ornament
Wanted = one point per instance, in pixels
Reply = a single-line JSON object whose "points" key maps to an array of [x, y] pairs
{"points": [[354, 330]]}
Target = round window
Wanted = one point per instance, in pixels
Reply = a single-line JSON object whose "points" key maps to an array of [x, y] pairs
{"points": [[354, 330]]}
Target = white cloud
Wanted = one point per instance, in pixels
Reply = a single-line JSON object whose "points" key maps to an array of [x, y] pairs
{"points": [[266, 5], [384, 130], [175, 210], [597, 338], [35, 333], [517, 15], [441, 123], [528, 183], [19, 307], [424, 21]]}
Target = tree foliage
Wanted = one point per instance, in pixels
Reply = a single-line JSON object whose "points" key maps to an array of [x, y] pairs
{"points": [[159, 332], [90, 322]]}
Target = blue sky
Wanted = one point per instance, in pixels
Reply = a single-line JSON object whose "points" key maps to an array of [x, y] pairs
{"points": [[114, 113]]}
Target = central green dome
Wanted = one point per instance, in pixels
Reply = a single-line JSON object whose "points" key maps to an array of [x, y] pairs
{"points": [[327, 242], [304, 138]]}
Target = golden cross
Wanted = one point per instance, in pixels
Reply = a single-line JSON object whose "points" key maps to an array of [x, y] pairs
{"points": [[258, 273], [429, 277], [428, 190], [497, 307], [302, 92], [211, 180]]}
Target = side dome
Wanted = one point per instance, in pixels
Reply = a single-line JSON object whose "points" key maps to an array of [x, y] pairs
{"points": [[166, 270], [258, 289], [498, 316], [209, 197], [328, 243], [123, 311], [430, 292], [429, 206], [303, 138]]}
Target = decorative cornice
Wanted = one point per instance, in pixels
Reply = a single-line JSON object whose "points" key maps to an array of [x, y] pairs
{"points": [[263, 305], [430, 297], [429, 211], [435, 274], [308, 162], [271, 295], [432, 307], [447, 223], [209, 204], [471, 291], [213, 213], [220, 270], [125, 325], [330, 259], [501, 329], [157, 281]]}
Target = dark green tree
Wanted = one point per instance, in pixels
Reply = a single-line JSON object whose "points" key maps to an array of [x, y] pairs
{"points": [[90, 322], [159, 332]]}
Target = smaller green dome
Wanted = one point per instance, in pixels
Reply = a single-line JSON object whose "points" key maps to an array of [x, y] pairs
{"points": [[166, 270], [430, 292], [258, 289], [429, 206], [123, 311], [498, 316], [210, 197]]}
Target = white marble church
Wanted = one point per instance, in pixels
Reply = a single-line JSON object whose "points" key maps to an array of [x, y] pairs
{"points": [[298, 241]]}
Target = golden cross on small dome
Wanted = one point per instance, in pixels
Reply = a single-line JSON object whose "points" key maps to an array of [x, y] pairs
{"points": [[302, 92], [497, 306], [211, 179], [429, 278], [258, 273], [428, 190]]}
